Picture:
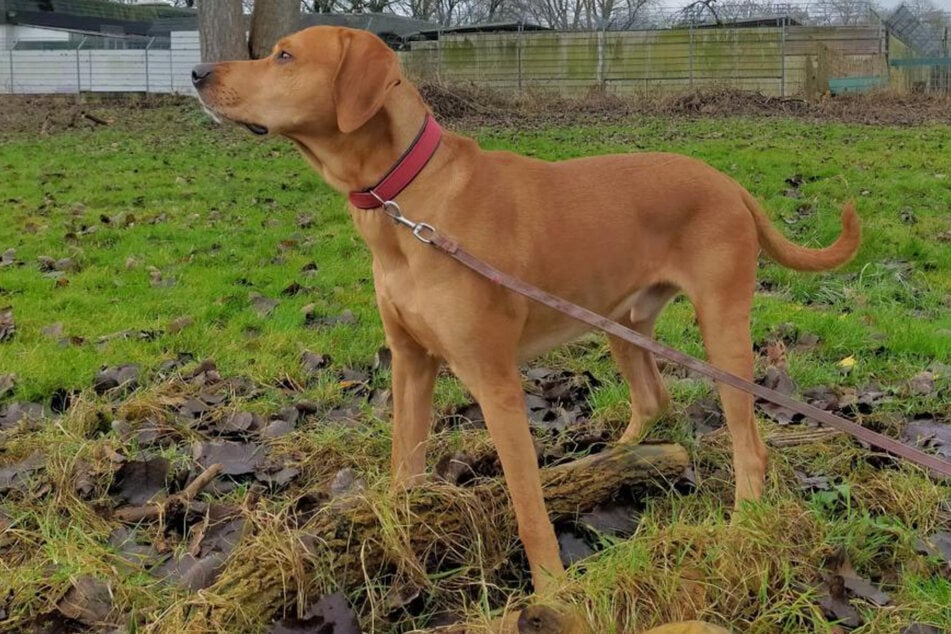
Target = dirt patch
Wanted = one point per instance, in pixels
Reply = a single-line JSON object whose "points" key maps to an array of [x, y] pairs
{"points": [[479, 106], [51, 114], [473, 106]]}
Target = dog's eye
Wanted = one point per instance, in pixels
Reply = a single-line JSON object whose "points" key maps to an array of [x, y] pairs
{"points": [[284, 56]]}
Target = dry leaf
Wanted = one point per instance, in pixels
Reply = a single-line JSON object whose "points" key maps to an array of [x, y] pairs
{"points": [[847, 363]]}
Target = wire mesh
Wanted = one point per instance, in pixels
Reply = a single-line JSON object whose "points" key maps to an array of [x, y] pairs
{"points": [[780, 48], [77, 40], [78, 62], [786, 60]]}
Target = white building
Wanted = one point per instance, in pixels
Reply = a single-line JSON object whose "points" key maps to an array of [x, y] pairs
{"points": [[73, 46]]}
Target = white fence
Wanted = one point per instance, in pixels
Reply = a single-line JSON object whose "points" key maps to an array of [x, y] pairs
{"points": [[32, 70]]}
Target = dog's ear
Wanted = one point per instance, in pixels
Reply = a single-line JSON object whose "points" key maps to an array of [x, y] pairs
{"points": [[368, 70]]}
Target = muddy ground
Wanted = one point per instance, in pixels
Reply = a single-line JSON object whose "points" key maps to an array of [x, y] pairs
{"points": [[471, 106]]}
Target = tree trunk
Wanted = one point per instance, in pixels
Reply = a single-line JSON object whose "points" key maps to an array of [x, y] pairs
{"points": [[270, 21], [348, 539], [221, 30]]}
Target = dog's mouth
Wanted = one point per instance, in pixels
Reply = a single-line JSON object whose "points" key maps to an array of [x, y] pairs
{"points": [[255, 128], [259, 130]]}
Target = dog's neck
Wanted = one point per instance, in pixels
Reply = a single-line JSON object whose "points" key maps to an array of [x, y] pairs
{"points": [[356, 161]]}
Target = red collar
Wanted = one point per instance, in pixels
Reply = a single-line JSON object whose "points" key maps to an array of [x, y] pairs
{"points": [[404, 170]]}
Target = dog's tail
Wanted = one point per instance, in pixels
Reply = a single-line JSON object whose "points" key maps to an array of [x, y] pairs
{"points": [[800, 258]]}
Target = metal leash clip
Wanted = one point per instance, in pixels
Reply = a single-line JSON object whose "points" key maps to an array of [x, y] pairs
{"points": [[424, 232], [420, 228]]}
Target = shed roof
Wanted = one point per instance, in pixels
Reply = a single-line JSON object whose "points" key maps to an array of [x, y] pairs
{"points": [[87, 15], [379, 23], [486, 27], [97, 16], [750, 23]]}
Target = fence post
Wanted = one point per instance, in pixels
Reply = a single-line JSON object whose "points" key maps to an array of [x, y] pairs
{"points": [[171, 66], [647, 69], [947, 69], [439, 56], [690, 53], [518, 56], [79, 84], [147, 47], [600, 69], [782, 59], [12, 88]]}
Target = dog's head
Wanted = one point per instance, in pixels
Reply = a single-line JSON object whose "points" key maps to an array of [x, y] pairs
{"points": [[319, 81]]}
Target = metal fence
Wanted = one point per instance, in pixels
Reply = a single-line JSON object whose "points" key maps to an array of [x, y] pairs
{"points": [[797, 50], [921, 57], [782, 60], [84, 63]]}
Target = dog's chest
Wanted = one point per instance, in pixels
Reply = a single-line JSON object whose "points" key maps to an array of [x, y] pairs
{"points": [[405, 306]]}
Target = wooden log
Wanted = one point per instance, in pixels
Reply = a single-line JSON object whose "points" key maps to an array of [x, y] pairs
{"points": [[358, 536], [90, 116], [543, 619]]}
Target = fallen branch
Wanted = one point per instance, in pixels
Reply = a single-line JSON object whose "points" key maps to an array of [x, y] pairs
{"points": [[797, 438], [357, 535], [94, 118], [155, 510], [204, 479], [543, 619]]}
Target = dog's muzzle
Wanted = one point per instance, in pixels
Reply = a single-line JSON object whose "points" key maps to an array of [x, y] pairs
{"points": [[200, 74]]}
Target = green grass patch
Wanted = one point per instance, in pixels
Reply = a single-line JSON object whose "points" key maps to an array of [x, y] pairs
{"points": [[173, 226]]}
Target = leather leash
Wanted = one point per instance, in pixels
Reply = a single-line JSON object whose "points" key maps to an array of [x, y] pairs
{"points": [[427, 234]]}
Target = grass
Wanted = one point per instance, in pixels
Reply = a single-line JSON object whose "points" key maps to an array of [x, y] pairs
{"points": [[168, 217]]}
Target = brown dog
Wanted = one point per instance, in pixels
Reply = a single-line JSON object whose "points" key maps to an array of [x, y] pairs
{"points": [[620, 235]]}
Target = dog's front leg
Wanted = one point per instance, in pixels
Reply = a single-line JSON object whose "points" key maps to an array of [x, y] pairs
{"points": [[414, 375], [499, 392]]}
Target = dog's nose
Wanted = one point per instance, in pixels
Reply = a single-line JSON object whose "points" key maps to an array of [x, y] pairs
{"points": [[200, 73]]}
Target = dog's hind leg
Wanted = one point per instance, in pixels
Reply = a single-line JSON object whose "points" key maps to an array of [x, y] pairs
{"points": [[649, 396], [723, 309]]}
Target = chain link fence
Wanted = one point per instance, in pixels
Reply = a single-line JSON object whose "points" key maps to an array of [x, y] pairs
{"points": [[779, 49], [77, 63], [922, 55], [783, 60]]}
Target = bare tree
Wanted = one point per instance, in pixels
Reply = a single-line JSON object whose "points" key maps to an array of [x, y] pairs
{"points": [[842, 12], [221, 28], [759, 9], [609, 15], [927, 12], [419, 9], [446, 11], [493, 9], [582, 14], [319, 6], [557, 14], [700, 12], [270, 21], [376, 6]]}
